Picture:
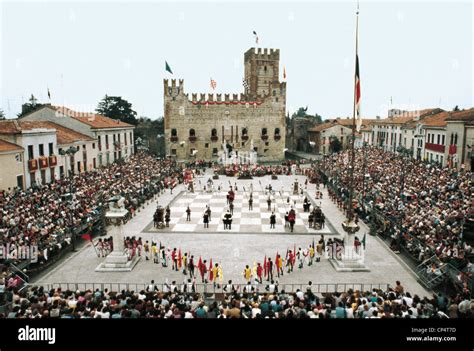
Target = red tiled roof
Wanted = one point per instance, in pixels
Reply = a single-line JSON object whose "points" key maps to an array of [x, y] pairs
{"points": [[64, 135], [93, 120], [9, 127], [7, 146], [406, 117], [464, 115], [436, 120], [321, 127]]}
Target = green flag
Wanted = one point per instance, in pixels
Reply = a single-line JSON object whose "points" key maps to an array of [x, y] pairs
{"points": [[363, 240], [168, 68]]}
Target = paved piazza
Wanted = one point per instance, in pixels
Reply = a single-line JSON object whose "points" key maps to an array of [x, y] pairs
{"points": [[255, 221], [250, 240]]}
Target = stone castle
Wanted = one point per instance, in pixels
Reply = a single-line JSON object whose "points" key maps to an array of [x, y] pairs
{"points": [[202, 127]]}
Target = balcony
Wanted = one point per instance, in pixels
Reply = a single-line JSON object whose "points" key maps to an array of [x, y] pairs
{"points": [[214, 138], [265, 137], [173, 138], [277, 137], [53, 160], [192, 139], [245, 137], [435, 147], [43, 162], [32, 165]]}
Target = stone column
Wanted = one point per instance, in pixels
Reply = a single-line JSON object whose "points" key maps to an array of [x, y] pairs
{"points": [[117, 260]]}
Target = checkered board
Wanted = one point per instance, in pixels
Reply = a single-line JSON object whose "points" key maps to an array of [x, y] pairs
{"points": [[244, 220]]}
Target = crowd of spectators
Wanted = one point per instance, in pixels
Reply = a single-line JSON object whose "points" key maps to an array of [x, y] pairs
{"points": [[43, 215], [278, 304], [423, 204]]}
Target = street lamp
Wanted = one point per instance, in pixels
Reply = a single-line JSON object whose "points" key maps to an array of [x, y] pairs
{"points": [[70, 153]]}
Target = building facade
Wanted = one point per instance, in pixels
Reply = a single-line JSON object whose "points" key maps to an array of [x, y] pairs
{"points": [[40, 147], [459, 151], [114, 138], [200, 127], [12, 167]]}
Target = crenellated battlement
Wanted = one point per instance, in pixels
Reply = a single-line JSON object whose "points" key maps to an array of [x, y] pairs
{"points": [[216, 99], [173, 87], [262, 54]]}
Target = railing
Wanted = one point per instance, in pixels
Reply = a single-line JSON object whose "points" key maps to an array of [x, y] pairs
{"points": [[211, 288], [431, 280]]}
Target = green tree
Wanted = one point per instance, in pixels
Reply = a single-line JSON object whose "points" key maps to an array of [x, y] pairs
{"points": [[2, 115], [456, 108], [117, 108], [30, 106], [335, 144], [303, 112], [151, 131]]}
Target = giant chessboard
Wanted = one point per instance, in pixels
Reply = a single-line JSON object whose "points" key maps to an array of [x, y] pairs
{"points": [[244, 220]]}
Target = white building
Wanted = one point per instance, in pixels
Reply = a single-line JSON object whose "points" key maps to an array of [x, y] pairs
{"points": [[114, 138], [40, 146]]}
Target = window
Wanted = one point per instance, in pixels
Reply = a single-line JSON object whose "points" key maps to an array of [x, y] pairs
{"points": [[244, 131], [125, 137], [173, 152], [206, 145], [342, 130], [214, 132], [264, 131], [93, 146], [107, 142], [41, 149], [277, 131], [214, 151], [50, 147], [192, 132], [31, 154], [174, 132], [99, 140], [439, 139], [443, 139]]}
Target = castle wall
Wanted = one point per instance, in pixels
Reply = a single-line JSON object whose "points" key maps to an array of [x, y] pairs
{"points": [[228, 115]]}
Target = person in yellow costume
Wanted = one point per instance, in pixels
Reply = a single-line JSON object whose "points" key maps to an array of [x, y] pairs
{"points": [[311, 254], [247, 273], [154, 252], [221, 276], [279, 265], [215, 274]]}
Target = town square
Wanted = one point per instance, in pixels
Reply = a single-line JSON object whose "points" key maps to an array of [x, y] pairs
{"points": [[196, 161]]}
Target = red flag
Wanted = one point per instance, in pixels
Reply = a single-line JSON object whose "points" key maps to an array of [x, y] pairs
{"points": [[211, 275], [200, 264], [86, 237], [357, 115], [265, 266], [179, 258]]}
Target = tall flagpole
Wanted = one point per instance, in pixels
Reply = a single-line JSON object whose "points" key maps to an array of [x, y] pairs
{"points": [[350, 214], [349, 225]]}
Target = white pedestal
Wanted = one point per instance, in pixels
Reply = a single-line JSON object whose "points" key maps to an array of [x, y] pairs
{"points": [[349, 261], [117, 260]]}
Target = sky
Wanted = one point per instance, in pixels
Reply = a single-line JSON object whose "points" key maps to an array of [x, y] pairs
{"points": [[412, 55]]}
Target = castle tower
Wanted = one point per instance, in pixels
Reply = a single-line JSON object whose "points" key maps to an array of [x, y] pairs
{"points": [[261, 70]]}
